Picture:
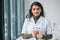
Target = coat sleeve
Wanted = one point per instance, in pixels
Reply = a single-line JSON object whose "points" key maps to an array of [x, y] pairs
{"points": [[24, 29], [49, 28]]}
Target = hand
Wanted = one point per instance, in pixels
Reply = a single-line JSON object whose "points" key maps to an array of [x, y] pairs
{"points": [[34, 33], [39, 35]]}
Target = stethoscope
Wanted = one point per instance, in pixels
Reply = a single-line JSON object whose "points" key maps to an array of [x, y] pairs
{"points": [[36, 28]]}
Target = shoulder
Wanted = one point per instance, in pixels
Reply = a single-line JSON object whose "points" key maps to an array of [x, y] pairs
{"points": [[46, 20], [27, 19]]}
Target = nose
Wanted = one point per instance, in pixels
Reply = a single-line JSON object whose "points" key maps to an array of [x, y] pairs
{"points": [[36, 11]]}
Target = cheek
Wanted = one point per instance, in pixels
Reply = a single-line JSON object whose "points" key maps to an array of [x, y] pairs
{"points": [[36, 13], [40, 11], [33, 12]]}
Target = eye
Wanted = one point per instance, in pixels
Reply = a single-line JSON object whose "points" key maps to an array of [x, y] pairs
{"points": [[37, 8], [33, 8]]}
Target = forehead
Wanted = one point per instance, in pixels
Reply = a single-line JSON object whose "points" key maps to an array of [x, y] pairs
{"points": [[35, 6]]}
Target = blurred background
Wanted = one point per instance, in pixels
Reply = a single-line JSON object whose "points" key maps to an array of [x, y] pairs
{"points": [[15, 12]]}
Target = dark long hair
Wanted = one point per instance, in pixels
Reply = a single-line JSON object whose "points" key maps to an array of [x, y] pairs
{"points": [[30, 10]]}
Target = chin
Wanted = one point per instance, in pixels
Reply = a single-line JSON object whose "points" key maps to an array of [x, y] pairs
{"points": [[36, 15]]}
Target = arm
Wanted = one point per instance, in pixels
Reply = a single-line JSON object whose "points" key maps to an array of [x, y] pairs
{"points": [[49, 31], [49, 36], [26, 36], [24, 30]]}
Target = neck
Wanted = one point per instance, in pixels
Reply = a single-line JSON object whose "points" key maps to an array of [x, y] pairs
{"points": [[36, 18]]}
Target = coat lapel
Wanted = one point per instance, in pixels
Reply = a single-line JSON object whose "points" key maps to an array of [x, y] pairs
{"points": [[38, 21]]}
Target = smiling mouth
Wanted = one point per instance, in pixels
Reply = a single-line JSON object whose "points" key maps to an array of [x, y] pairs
{"points": [[36, 13]]}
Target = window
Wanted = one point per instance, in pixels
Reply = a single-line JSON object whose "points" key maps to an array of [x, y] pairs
{"points": [[13, 18]]}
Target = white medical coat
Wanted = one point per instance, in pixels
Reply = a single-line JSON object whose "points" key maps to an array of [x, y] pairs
{"points": [[43, 25]]}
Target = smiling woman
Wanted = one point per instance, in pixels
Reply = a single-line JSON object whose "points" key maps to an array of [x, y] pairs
{"points": [[36, 19]]}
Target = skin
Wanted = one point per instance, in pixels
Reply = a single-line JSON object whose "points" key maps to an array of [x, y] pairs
{"points": [[36, 34], [36, 10]]}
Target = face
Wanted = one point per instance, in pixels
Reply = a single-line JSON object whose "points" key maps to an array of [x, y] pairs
{"points": [[36, 10]]}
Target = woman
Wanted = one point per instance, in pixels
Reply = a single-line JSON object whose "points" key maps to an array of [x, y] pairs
{"points": [[36, 26]]}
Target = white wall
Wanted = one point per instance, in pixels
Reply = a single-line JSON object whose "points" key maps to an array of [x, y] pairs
{"points": [[51, 8]]}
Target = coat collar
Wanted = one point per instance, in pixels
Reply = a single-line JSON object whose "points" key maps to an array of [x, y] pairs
{"points": [[39, 20]]}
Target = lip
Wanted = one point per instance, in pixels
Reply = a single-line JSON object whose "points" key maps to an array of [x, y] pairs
{"points": [[36, 13]]}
